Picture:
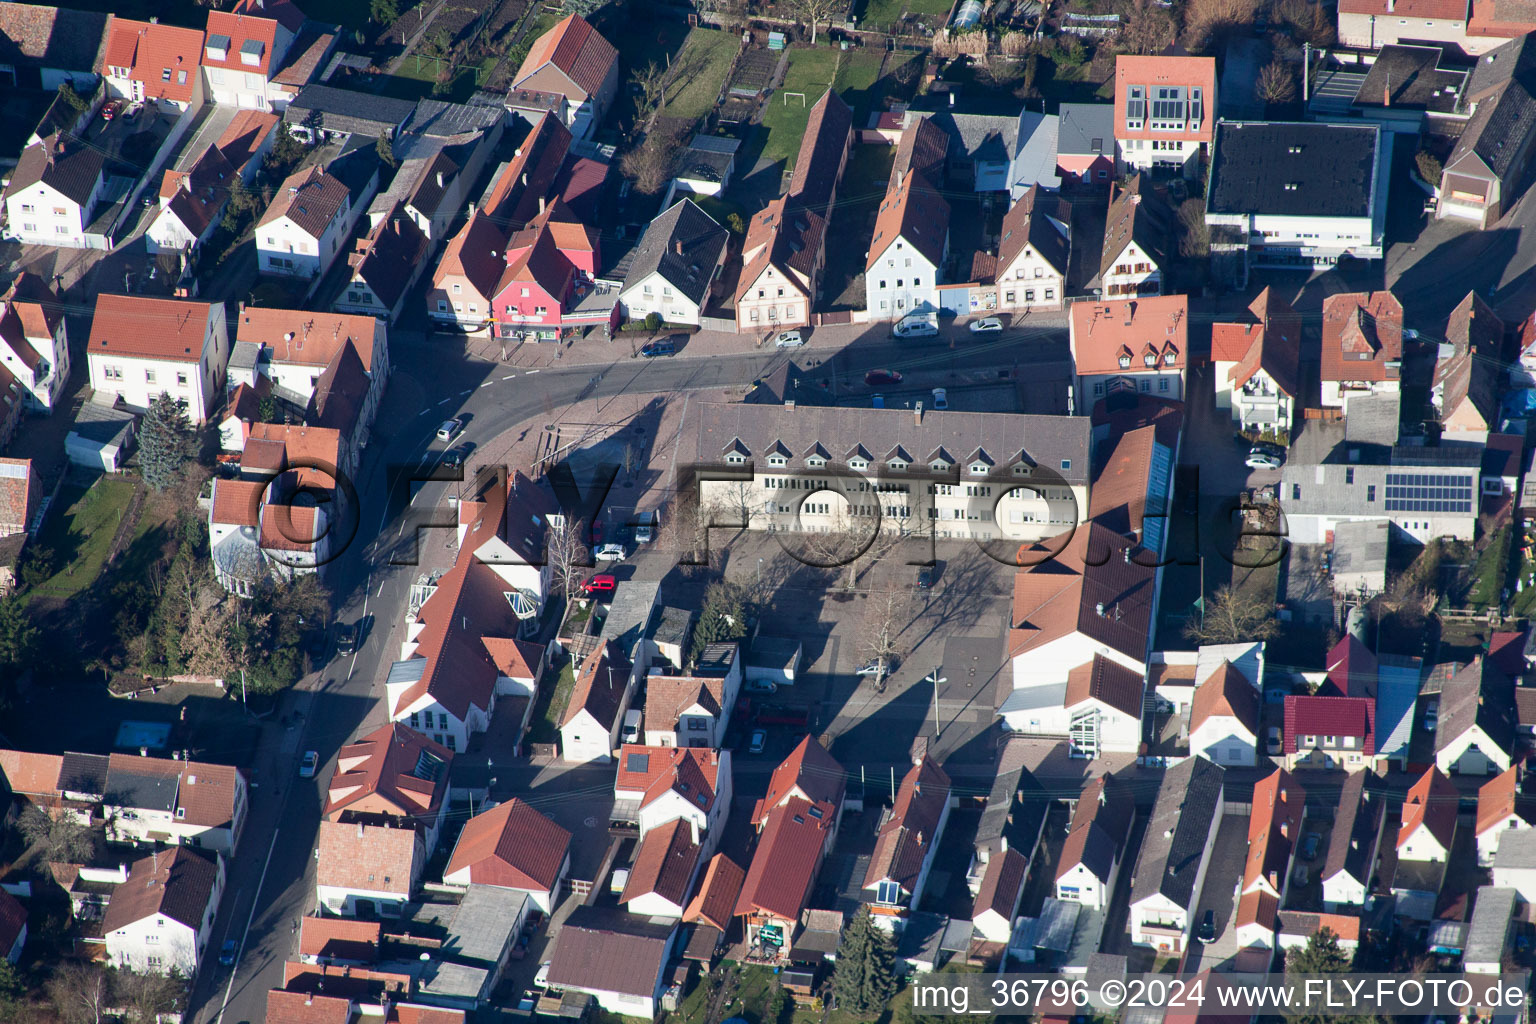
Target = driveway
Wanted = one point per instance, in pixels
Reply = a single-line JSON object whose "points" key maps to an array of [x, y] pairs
{"points": [[1308, 595], [1222, 879]]}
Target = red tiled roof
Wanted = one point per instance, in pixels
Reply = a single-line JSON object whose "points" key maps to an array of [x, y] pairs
{"points": [[340, 938], [1107, 681], [1496, 799], [809, 772], [284, 1007], [530, 176], [290, 527], [1432, 10], [1351, 670], [1118, 499], [1153, 71], [136, 326], [1506, 652], [909, 833], [716, 897], [577, 49], [511, 845], [13, 918], [246, 133], [368, 857], [1271, 342], [1362, 334], [396, 769], [306, 338], [1105, 332], [311, 199], [240, 29], [1273, 828], [31, 774], [912, 211], [1431, 802], [237, 502], [476, 253], [1226, 692], [693, 772], [784, 865], [1064, 595], [164, 58], [16, 493], [1330, 716], [1001, 885], [664, 865]]}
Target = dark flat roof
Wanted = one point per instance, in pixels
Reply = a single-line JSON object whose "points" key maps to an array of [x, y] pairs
{"points": [[1291, 168]]}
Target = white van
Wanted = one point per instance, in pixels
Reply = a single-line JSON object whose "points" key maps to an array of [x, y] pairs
{"points": [[631, 732], [916, 326]]}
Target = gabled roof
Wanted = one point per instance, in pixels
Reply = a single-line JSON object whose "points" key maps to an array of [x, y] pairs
{"points": [[1100, 827], [1362, 337], [245, 38], [1271, 342], [667, 697], [32, 774], [1105, 334], [783, 237], [1471, 374], [395, 766], [1431, 802], [1311, 715], [906, 837], [826, 138], [715, 900], [922, 148], [1118, 499], [784, 864], [53, 37], [683, 245], [1497, 799], [1351, 669], [664, 865], [1226, 693], [913, 212], [310, 198], [165, 59], [603, 949], [347, 110], [30, 309], [1503, 88], [175, 883], [1031, 223], [477, 253], [387, 258], [577, 49], [809, 772], [1354, 829], [1001, 885], [64, 164], [339, 938], [1477, 695], [1433, 10], [693, 773], [1174, 845], [1091, 588], [1273, 827], [600, 686], [1136, 214], [305, 338], [172, 330], [511, 845], [370, 858], [1106, 681], [530, 176]]}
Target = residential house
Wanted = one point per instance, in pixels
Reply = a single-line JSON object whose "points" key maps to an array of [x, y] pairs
{"points": [[1514, 865], [705, 168], [514, 846], [589, 728], [150, 800], [573, 60], [1372, 24], [1085, 143], [316, 209], [1297, 928], [531, 179], [550, 269], [339, 940], [1032, 253], [673, 270], [1170, 868], [1129, 345], [394, 775], [46, 47], [242, 51], [1002, 887], [1165, 112], [1138, 233], [785, 248], [154, 63], [714, 902], [54, 192], [1469, 373], [313, 46], [1362, 346], [320, 112], [385, 266], [1274, 828], [1428, 819], [658, 784], [19, 497], [1330, 732], [505, 527], [466, 277], [1484, 172], [141, 348], [364, 870], [159, 920], [689, 711], [1097, 838], [906, 843], [34, 342], [192, 203], [1257, 365], [661, 878], [808, 774], [792, 842], [618, 959], [1476, 733], [1224, 719], [247, 141], [1422, 499], [910, 246], [1352, 844], [1499, 810]]}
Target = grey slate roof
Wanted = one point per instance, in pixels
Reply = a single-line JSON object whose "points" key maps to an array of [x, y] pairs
{"points": [[1481, 695], [1354, 830], [83, 773], [1294, 168], [1324, 489], [1488, 935], [980, 138], [683, 245], [63, 163], [1085, 129], [1187, 802], [1517, 849], [345, 110], [1413, 78], [444, 119], [1360, 547], [148, 792]]}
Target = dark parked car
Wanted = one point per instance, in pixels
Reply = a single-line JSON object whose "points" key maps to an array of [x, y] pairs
{"points": [[227, 953], [925, 577], [659, 347], [1208, 927], [458, 455], [1309, 845], [881, 378], [346, 638]]}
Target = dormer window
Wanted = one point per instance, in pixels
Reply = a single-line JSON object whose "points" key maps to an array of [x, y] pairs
{"points": [[978, 469], [777, 460], [1168, 358], [858, 464], [815, 462], [1150, 359], [896, 464], [1022, 469], [938, 465], [1125, 361], [735, 458]]}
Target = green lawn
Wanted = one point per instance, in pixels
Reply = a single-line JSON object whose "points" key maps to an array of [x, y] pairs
{"points": [[545, 728], [810, 72], [885, 13], [81, 536], [857, 75], [700, 72]]}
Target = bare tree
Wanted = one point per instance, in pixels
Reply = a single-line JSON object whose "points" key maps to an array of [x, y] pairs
{"points": [[881, 629], [147, 996], [1232, 617], [80, 992], [814, 12], [1194, 235], [567, 556], [650, 90], [1277, 83], [650, 163], [1146, 28], [61, 839]]}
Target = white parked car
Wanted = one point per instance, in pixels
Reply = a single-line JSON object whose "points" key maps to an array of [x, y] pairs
{"points": [[541, 977], [940, 399], [610, 553], [915, 327], [990, 325], [450, 429], [789, 339], [1262, 460]]}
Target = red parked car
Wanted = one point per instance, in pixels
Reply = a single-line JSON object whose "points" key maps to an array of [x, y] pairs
{"points": [[602, 583], [111, 109], [881, 378]]}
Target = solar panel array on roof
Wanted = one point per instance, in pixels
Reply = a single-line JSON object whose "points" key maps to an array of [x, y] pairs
{"points": [[1429, 492], [639, 763]]}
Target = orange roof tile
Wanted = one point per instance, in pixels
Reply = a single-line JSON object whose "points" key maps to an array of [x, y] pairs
{"points": [[240, 30], [339, 938], [577, 49], [1432, 802], [396, 769], [810, 773], [717, 894], [1496, 799], [664, 865], [368, 857], [693, 772], [1228, 693], [136, 326], [237, 502], [30, 774], [1362, 337], [511, 845], [784, 865], [1118, 336], [1153, 71], [164, 58], [307, 338]]}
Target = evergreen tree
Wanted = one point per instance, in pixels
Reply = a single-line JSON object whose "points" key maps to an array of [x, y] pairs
{"points": [[18, 637], [1321, 955], [385, 149], [723, 617], [166, 442], [863, 981]]}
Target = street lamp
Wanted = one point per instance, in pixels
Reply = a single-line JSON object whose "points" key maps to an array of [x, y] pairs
{"points": [[937, 680]]}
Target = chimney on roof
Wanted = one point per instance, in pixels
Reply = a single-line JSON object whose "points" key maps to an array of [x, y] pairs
{"points": [[359, 830], [678, 246], [917, 413], [919, 838]]}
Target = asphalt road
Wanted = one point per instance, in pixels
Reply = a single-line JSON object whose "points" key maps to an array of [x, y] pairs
{"points": [[271, 880]]}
